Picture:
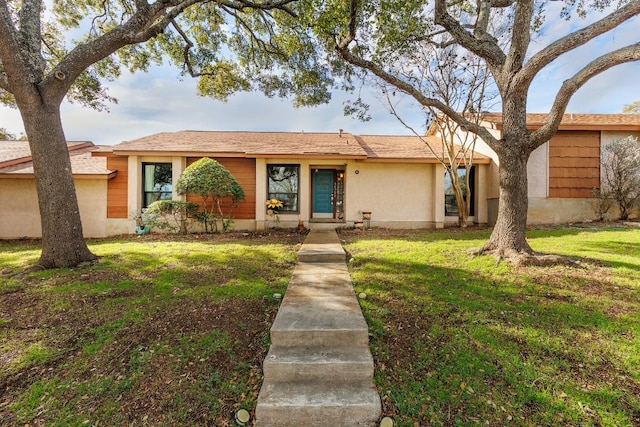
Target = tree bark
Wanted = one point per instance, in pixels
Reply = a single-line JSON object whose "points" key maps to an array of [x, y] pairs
{"points": [[63, 244], [508, 238]]}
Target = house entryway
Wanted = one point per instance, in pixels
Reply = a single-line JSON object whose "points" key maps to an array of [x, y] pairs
{"points": [[327, 195]]}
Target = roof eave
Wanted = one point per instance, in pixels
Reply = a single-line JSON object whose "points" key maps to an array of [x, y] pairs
{"points": [[423, 160], [327, 156], [84, 176], [155, 153]]}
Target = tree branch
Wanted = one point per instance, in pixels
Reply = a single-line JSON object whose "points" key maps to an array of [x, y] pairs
{"points": [[30, 34], [143, 25], [570, 86], [269, 5], [578, 38], [265, 46], [342, 48], [520, 39], [423, 100], [12, 65], [486, 48], [148, 21]]}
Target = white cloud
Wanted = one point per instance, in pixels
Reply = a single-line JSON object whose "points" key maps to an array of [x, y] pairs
{"points": [[158, 101]]}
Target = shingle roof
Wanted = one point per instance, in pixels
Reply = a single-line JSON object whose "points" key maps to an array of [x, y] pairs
{"points": [[405, 148], [15, 159], [578, 121], [250, 144], [281, 144]]}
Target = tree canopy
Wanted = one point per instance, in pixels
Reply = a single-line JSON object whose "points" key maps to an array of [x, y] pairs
{"points": [[68, 48], [634, 107], [6, 135]]}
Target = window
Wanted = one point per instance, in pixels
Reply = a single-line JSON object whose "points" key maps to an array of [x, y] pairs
{"points": [[450, 205], [282, 184], [157, 182]]}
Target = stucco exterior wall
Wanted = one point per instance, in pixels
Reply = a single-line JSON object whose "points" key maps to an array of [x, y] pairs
{"points": [[398, 195], [20, 215], [538, 172], [491, 183], [607, 137], [560, 211]]}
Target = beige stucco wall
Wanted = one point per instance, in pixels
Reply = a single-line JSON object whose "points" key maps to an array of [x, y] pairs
{"points": [[560, 211], [538, 172], [398, 195], [20, 215]]}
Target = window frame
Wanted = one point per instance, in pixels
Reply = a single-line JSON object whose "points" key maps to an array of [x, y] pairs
{"points": [[278, 194], [146, 192], [471, 193]]}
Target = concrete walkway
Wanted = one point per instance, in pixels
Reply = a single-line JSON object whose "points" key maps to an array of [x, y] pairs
{"points": [[319, 370]]}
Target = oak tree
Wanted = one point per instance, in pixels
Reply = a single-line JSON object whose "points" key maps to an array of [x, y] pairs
{"points": [[374, 38], [230, 45]]}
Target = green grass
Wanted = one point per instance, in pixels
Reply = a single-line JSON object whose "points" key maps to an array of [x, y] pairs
{"points": [[161, 332], [174, 331], [459, 340]]}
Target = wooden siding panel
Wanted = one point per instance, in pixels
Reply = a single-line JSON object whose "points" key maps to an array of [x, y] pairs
{"points": [[244, 171], [574, 164], [118, 188], [574, 152]]}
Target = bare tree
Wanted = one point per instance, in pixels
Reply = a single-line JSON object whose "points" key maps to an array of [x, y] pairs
{"points": [[462, 81], [621, 174]]}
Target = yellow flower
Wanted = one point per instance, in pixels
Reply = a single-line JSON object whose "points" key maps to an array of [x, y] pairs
{"points": [[274, 203]]}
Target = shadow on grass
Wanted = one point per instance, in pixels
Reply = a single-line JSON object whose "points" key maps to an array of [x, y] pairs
{"points": [[471, 345]]}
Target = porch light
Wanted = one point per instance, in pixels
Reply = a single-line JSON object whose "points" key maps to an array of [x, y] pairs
{"points": [[242, 417]]}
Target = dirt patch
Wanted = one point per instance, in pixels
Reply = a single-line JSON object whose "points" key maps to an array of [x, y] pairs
{"points": [[288, 236]]}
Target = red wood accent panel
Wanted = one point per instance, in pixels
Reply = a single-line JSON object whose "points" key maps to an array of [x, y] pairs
{"points": [[574, 164], [118, 188], [244, 171]]}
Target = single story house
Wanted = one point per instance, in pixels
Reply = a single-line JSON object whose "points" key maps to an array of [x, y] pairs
{"points": [[324, 179]]}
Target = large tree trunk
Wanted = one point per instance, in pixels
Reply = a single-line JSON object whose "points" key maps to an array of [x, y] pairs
{"points": [[63, 244], [509, 234]]}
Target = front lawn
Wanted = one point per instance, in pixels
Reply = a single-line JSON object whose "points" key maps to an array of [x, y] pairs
{"points": [[460, 340], [172, 331], [163, 331]]}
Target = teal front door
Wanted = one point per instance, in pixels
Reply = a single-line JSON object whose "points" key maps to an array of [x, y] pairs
{"points": [[323, 193]]}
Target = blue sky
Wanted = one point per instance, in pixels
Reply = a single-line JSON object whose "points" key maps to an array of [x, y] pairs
{"points": [[160, 101]]}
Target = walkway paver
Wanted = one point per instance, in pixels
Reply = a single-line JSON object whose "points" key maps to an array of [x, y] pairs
{"points": [[319, 369]]}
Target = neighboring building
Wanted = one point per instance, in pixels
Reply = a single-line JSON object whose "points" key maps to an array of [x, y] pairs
{"points": [[324, 179], [562, 172], [19, 212]]}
